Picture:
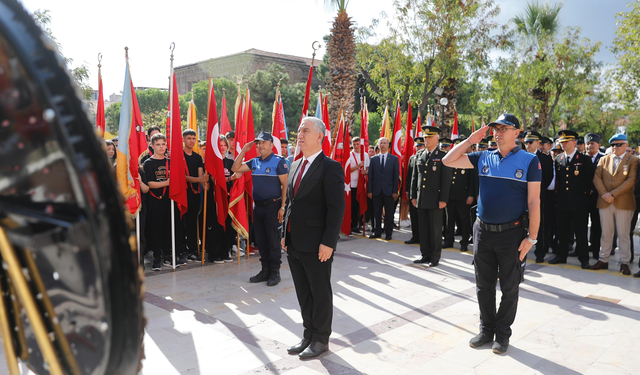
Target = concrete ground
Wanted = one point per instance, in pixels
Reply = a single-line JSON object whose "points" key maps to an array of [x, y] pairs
{"points": [[390, 317]]}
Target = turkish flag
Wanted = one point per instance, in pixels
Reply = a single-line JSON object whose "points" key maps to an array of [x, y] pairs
{"points": [[177, 163], [213, 158]]}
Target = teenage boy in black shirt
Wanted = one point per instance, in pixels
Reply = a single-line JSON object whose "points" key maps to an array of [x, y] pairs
{"points": [[158, 228], [195, 176]]}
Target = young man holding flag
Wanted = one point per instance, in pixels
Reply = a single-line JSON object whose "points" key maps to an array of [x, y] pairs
{"points": [[359, 165], [195, 176]]}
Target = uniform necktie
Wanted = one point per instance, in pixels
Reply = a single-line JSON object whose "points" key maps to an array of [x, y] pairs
{"points": [[616, 162]]}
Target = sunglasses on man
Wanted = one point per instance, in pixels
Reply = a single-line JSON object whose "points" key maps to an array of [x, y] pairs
{"points": [[618, 144]]}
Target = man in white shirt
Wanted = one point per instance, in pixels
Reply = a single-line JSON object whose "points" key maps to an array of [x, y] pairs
{"points": [[359, 164]]}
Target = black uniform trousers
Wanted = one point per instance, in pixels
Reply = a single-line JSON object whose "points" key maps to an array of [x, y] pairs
{"points": [[430, 221], [549, 230], [415, 226], [312, 281], [596, 232], [386, 201], [355, 208], [267, 236], [496, 256], [570, 222], [219, 239], [190, 223], [458, 212]]}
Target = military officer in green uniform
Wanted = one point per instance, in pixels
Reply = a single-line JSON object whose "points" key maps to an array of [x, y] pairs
{"points": [[430, 186]]}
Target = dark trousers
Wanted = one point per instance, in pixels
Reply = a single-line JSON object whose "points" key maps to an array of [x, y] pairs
{"points": [[570, 222], [542, 245], [219, 239], [549, 230], [312, 280], [380, 201], [634, 221], [267, 236], [496, 256], [355, 208], [190, 224], [158, 232], [458, 212], [430, 221], [596, 232], [143, 224], [415, 228], [368, 216]]}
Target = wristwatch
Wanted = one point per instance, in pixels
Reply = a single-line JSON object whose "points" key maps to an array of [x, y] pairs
{"points": [[533, 242], [282, 208]]}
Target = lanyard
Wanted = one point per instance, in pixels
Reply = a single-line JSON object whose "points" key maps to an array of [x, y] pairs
{"points": [[186, 168], [164, 189]]}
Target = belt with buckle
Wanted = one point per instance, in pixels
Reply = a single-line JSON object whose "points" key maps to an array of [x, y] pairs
{"points": [[498, 227], [267, 202]]}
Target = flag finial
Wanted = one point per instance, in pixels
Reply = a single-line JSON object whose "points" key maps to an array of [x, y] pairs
{"points": [[126, 52], [99, 60], [313, 45]]}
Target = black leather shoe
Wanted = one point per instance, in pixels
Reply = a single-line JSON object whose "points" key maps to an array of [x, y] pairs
{"points": [[421, 260], [636, 274], [540, 260], [446, 245], [313, 350], [299, 347], [411, 241], [433, 264], [585, 264], [573, 254], [355, 230], [557, 260], [387, 238], [464, 248], [375, 236], [480, 339]]}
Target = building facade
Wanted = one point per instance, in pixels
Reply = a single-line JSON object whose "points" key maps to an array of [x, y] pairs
{"points": [[246, 62]]}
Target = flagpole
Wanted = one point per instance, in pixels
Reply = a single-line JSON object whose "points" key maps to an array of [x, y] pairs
{"points": [[173, 217], [138, 236], [335, 132]]}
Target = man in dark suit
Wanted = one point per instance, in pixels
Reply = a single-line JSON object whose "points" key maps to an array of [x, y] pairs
{"points": [[430, 186], [413, 211], [593, 151], [464, 190], [384, 175], [533, 141], [574, 179], [313, 214]]}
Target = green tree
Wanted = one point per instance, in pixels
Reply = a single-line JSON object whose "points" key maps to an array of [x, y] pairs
{"points": [[626, 47]]}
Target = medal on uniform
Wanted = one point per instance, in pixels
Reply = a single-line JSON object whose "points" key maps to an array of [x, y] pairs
{"points": [[624, 170], [576, 172], [434, 168], [462, 171]]}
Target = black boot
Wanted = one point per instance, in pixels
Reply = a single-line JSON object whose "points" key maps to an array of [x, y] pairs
{"points": [[274, 278], [263, 275]]}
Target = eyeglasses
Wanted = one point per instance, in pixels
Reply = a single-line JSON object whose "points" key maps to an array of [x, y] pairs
{"points": [[502, 130], [529, 142], [618, 144]]}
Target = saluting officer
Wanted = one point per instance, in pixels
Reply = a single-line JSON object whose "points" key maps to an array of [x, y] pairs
{"points": [[464, 189], [532, 140], [430, 186], [413, 211], [574, 179]]}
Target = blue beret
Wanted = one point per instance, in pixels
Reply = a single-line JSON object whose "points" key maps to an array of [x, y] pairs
{"points": [[618, 137]]}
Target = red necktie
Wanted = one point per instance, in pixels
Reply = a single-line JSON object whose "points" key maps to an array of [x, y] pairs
{"points": [[299, 178], [296, 186]]}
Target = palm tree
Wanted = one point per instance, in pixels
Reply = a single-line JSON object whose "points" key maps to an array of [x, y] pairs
{"points": [[342, 62], [537, 24]]}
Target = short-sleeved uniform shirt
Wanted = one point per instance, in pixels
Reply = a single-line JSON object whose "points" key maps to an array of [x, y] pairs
{"points": [[156, 170], [265, 172], [194, 161], [503, 183]]}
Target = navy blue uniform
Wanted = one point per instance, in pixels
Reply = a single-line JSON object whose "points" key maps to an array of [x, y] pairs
{"points": [[498, 232], [267, 196]]}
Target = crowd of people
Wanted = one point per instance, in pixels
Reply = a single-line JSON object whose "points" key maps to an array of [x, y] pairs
{"points": [[590, 197]]}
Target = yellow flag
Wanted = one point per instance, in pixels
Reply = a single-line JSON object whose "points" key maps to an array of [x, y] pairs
{"points": [[385, 131], [192, 123]]}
